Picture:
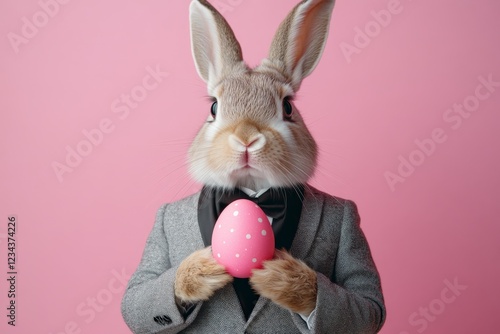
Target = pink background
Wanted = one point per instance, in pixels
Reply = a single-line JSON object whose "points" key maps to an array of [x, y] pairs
{"points": [[366, 109]]}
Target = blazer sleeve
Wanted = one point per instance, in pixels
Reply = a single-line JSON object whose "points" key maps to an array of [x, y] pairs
{"points": [[148, 305], [351, 300]]}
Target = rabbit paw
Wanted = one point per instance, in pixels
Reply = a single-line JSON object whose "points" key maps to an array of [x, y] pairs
{"points": [[288, 282], [199, 276]]}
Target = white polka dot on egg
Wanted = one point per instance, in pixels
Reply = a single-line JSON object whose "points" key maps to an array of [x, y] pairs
{"points": [[235, 213], [254, 260], [237, 255], [248, 236], [259, 220], [264, 232]]}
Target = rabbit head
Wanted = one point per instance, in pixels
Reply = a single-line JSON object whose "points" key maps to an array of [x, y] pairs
{"points": [[254, 136]]}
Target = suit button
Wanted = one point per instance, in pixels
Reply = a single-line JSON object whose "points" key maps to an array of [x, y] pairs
{"points": [[162, 320]]}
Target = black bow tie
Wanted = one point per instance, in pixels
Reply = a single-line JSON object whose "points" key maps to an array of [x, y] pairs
{"points": [[284, 205]]}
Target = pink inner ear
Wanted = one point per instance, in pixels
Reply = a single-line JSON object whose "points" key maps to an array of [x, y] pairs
{"points": [[305, 30]]}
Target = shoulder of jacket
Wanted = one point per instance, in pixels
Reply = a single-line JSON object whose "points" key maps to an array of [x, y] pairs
{"points": [[327, 199], [187, 203], [188, 200]]}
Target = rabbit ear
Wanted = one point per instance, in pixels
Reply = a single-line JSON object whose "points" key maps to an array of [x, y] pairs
{"points": [[299, 42], [215, 48]]}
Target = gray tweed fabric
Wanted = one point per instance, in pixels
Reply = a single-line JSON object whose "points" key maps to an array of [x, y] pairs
{"points": [[329, 239]]}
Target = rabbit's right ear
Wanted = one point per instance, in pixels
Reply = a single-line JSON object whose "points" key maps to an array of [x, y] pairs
{"points": [[215, 48], [299, 42]]}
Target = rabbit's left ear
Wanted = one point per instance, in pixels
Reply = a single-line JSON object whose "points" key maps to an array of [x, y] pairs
{"points": [[215, 48], [299, 42]]}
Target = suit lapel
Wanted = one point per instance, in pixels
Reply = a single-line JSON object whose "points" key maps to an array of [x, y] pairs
{"points": [[310, 221], [196, 235]]}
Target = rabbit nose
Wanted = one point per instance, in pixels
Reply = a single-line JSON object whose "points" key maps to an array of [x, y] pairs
{"points": [[253, 143]]}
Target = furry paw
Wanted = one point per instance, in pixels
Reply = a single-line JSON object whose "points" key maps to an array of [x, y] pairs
{"points": [[199, 276], [288, 282]]}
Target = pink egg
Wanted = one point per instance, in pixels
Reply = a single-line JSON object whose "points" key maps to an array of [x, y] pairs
{"points": [[242, 238]]}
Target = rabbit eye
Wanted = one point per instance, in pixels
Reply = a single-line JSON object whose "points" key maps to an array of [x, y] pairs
{"points": [[287, 108], [213, 109]]}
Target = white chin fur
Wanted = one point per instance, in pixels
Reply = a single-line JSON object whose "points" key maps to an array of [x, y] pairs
{"points": [[250, 178]]}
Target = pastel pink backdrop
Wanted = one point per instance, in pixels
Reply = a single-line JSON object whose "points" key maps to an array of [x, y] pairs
{"points": [[78, 233]]}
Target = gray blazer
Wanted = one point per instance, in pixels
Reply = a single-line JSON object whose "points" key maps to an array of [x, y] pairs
{"points": [[328, 239]]}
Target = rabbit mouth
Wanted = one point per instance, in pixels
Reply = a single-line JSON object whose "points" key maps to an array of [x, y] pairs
{"points": [[245, 158], [249, 177], [246, 170]]}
